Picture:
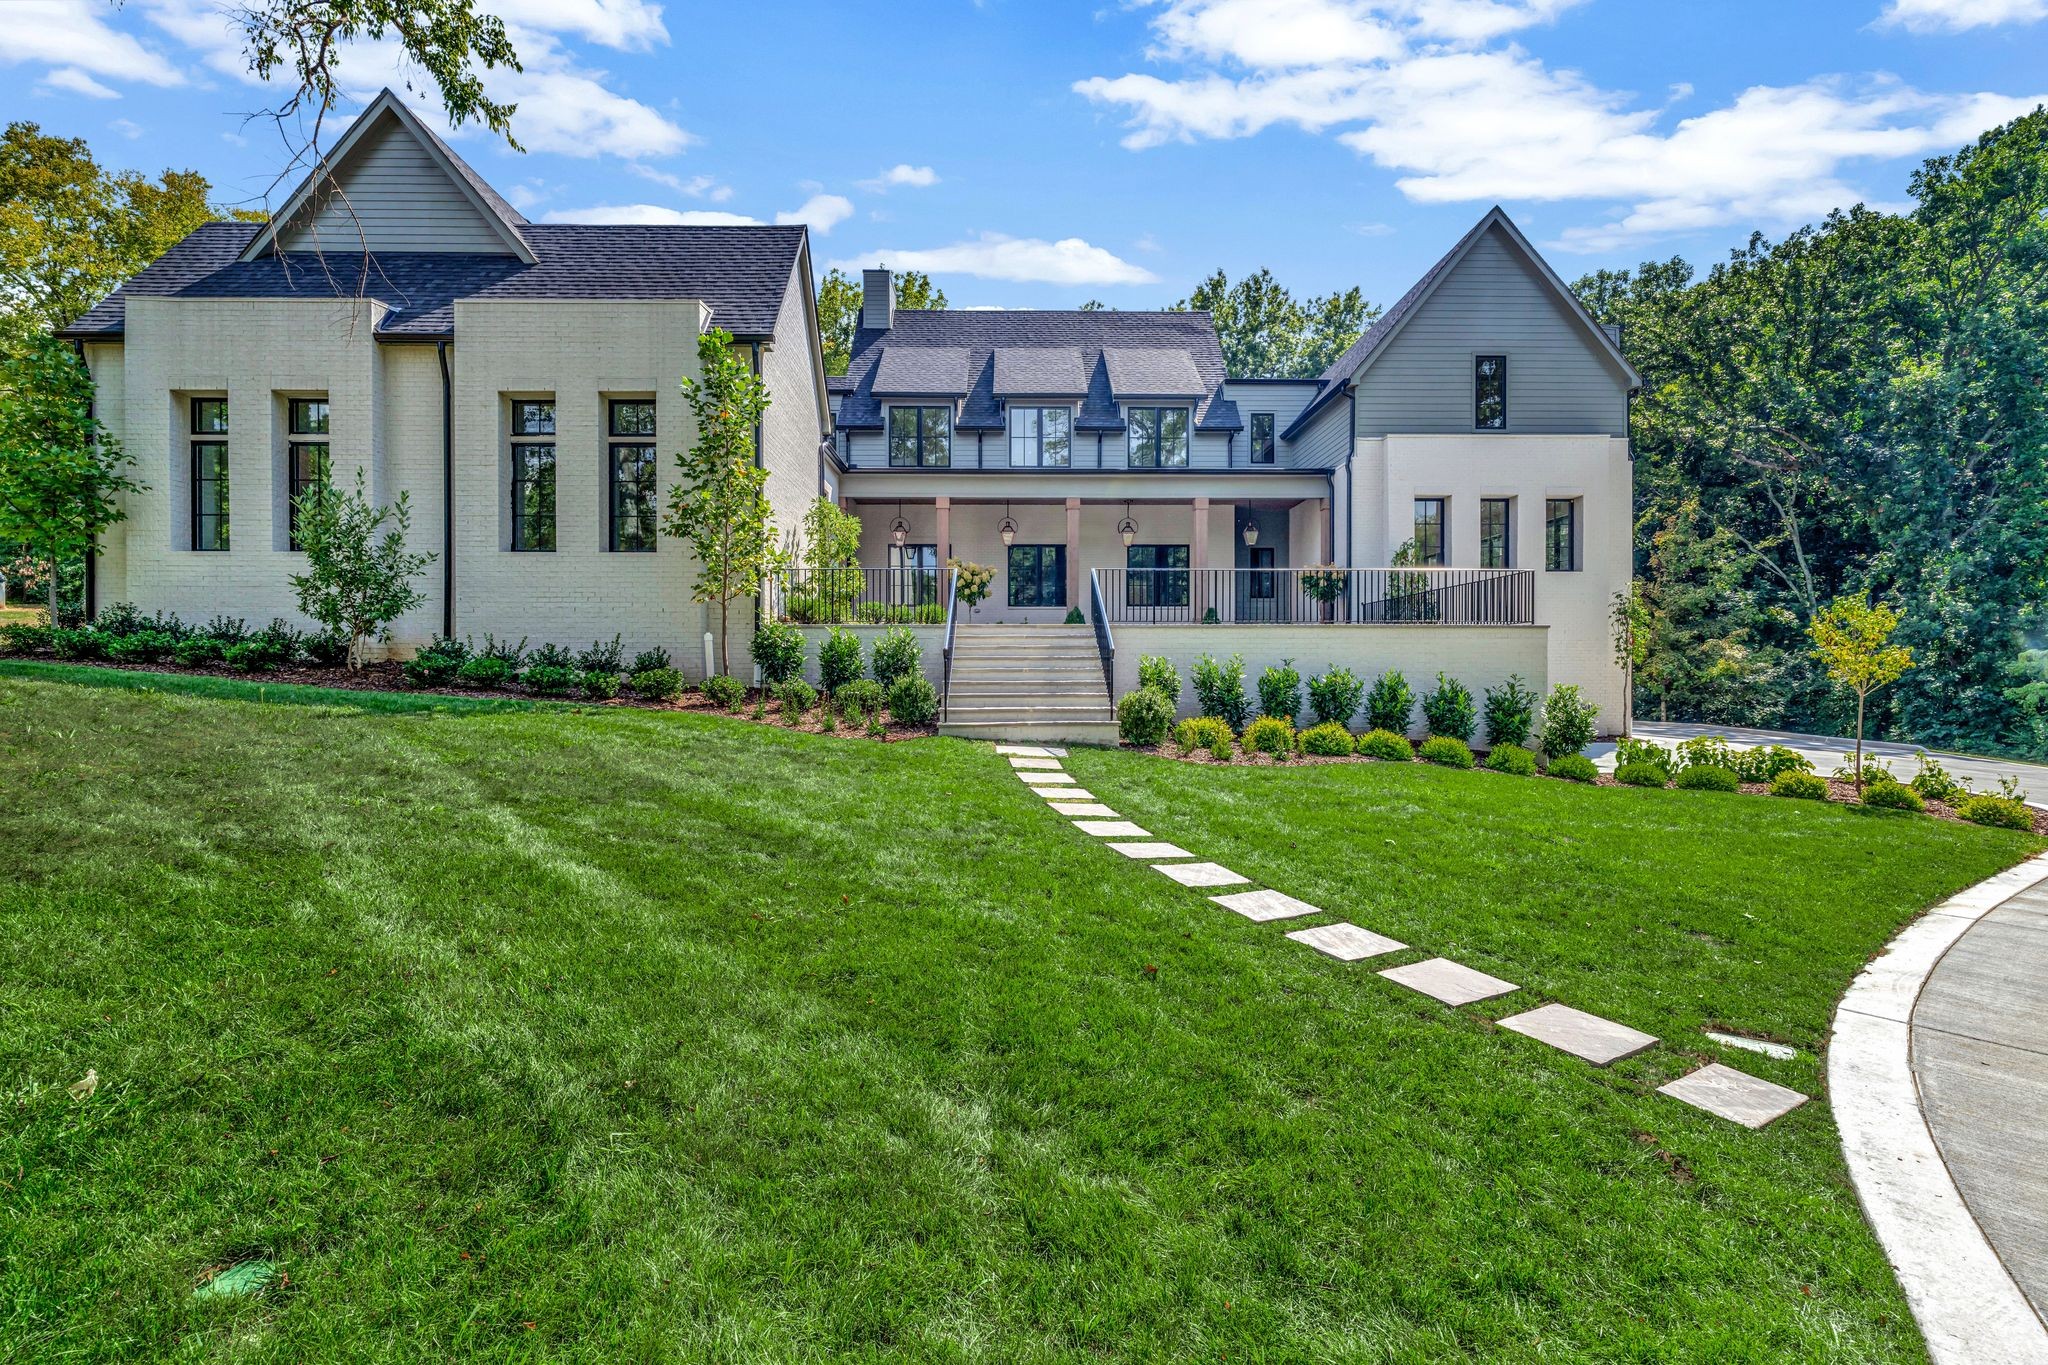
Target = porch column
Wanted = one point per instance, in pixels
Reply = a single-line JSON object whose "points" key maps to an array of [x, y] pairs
{"points": [[1326, 529], [1074, 554], [1198, 557], [945, 510]]}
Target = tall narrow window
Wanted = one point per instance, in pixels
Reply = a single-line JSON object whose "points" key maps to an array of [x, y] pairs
{"points": [[1040, 437], [921, 437], [1496, 549], [1261, 565], [209, 474], [1561, 535], [913, 575], [307, 455], [1158, 436], [630, 466], [1157, 577], [1490, 392], [1429, 531], [1038, 575], [1262, 438], [533, 475]]}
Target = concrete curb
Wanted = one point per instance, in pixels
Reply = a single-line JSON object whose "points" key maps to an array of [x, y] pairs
{"points": [[1967, 1305]]}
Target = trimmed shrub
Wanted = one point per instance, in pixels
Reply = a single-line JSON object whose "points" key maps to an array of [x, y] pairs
{"points": [[1567, 721], [1268, 735], [1333, 697], [1642, 775], [795, 697], [839, 660], [2001, 812], [24, 639], [1512, 759], [877, 730], [1327, 740], [1280, 692], [1800, 786], [1643, 753], [78, 642], [1389, 704], [1510, 712], [777, 650], [550, 680], [1934, 783], [1202, 732], [1447, 710], [1385, 744], [725, 693], [1707, 778], [896, 654], [201, 651], [229, 630], [861, 697], [599, 685], [1573, 768], [485, 671], [552, 656], [913, 700], [1892, 796], [448, 647], [1768, 762], [1159, 674], [1445, 751], [602, 657], [1705, 751], [142, 647], [430, 667], [1220, 750], [658, 684], [1075, 618], [1143, 717], [511, 655], [1219, 690], [250, 656], [647, 661], [327, 648]]}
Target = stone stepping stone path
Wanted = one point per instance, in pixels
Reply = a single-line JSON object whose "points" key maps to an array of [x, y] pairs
{"points": [[1453, 983], [1042, 779], [1153, 850], [1261, 907], [1065, 794], [1028, 750], [1586, 1036], [1027, 761], [1200, 874], [1112, 829], [1733, 1095], [1093, 809], [1779, 1050], [1346, 942]]}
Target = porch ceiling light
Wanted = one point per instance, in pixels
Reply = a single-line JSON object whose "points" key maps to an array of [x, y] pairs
{"points": [[1127, 528], [899, 529], [1251, 533], [1008, 530]]}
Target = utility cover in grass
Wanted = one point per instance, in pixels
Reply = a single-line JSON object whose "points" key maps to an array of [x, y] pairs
{"points": [[1586, 1036], [1451, 982], [1733, 1095], [249, 1277], [1112, 829], [1154, 850], [1346, 942], [1260, 906], [1200, 874], [1094, 809]]}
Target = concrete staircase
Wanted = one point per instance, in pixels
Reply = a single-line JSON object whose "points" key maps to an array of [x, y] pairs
{"points": [[1028, 683]]}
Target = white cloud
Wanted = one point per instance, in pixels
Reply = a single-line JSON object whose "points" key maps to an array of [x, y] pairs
{"points": [[822, 212], [73, 81], [1953, 16], [1421, 88], [632, 25], [76, 38], [570, 111], [902, 175], [696, 186], [1025, 260], [127, 128], [654, 214], [1373, 229]]}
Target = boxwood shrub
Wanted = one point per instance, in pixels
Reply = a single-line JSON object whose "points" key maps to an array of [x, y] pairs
{"points": [[485, 670], [1642, 775], [1445, 752], [550, 679], [862, 696], [1385, 744], [1143, 717], [725, 693], [839, 660], [655, 684], [795, 697], [2003, 812], [198, 651], [1892, 796], [1333, 697], [1512, 759], [1800, 786], [1767, 762], [896, 654], [599, 685], [914, 701], [1202, 732], [778, 649], [1573, 768], [1327, 740], [1705, 777], [1268, 735]]}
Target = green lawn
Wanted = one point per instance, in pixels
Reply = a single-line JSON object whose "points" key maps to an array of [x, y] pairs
{"points": [[536, 1033], [22, 615]]}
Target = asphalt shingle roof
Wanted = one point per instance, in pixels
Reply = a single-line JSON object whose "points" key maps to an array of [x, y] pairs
{"points": [[922, 370], [1040, 372], [1152, 373], [741, 272], [984, 333]]}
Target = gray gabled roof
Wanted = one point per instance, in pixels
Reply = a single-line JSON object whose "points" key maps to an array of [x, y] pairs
{"points": [[985, 334], [742, 273], [1152, 373], [938, 371], [1040, 372]]}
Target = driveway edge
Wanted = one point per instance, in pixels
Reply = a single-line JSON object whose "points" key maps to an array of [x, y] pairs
{"points": [[1966, 1302]]}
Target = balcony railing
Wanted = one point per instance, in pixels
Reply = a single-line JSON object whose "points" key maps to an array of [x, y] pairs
{"points": [[1297, 597], [861, 596]]}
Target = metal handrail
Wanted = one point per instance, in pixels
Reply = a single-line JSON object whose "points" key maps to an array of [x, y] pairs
{"points": [[1320, 596], [946, 654], [860, 595], [1105, 643]]}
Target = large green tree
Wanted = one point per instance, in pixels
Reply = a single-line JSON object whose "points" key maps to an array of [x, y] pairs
{"points": [[839, 300], [1267, 333], [61, 473]]}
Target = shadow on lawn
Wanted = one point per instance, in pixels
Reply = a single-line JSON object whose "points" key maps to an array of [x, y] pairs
{"points": [[257, 690]]}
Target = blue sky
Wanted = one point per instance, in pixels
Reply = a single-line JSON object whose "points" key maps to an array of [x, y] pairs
{"points": [[1036, 154]]}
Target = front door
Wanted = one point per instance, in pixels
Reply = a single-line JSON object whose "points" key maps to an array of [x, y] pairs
{"points": [[1262, 592]]}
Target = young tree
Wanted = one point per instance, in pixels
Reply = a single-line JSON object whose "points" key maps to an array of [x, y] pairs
{"points": [[839, 300], [1852, 639], [1633, 631], [357, 581], [721, 507], [60, 470]]}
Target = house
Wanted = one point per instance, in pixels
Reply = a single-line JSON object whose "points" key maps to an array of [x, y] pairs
{"points": [[1452, 494], [517, 381]]}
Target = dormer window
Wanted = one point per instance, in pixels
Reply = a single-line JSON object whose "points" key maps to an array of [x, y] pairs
{"points": [[1040, 437], [1490, 393], [921, 437], [1262, 438], [1158, 437]]}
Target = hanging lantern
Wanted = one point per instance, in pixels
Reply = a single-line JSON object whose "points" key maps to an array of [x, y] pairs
{"points": [[1127, 528], [1251, 533], [899, 529], [1008, 530]]}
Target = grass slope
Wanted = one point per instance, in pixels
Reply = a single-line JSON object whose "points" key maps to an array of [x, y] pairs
{"points": [[608, 1035]]}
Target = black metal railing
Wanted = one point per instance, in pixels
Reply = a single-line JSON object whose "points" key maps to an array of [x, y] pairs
{"points": [[1105, 643], [861, 596], [1296, 597], [946, 653]]}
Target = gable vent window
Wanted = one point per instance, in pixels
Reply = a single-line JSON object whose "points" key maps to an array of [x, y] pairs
{"points": [[533, 474], [1490, 392], [306, 453], [209, 474], [630, 467], [1262, 438]]}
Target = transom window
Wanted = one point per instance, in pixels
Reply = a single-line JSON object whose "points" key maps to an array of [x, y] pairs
{"points": [[306, 453], [209, 475], [1158, 437], [1158, 576], [921, 436], [1429, 531], [1262, 438], [1038, 575], [209, 416], [630, 472], [1496, 549], [1561, 535], [1040, 436], [533, 474], [1490, 392], [630, 417], [533, 417]]}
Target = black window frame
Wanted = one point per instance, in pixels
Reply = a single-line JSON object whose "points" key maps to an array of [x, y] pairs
{"points": [[1156, 584], [1569, 542], [538, 406], [640, 488], [1482, 419], [612, 427], [307, 462], [1039, 460], [1504, 534], [1262, 562], [1158, 438], [199, 428], [913, 574], [1056, 554], [211, 440], [535, 531], [921, 438], [1442, 512], [1268, 444]]}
